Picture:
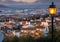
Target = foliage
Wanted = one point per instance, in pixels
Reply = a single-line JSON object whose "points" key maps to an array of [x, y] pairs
{"points": [[28, 38]]}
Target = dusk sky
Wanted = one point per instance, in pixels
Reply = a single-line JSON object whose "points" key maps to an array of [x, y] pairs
{"points": [[27, 2]]}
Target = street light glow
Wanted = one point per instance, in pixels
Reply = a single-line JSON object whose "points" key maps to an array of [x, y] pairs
{"points": [[52, 11]]}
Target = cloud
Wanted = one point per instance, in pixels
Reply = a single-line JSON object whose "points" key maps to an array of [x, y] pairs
{"points": [[28, 1], [25, 2], [2, 0], [17, 0]]}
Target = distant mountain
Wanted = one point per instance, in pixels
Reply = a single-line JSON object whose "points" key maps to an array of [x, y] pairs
{"points": [[3, 6], [23, 6], [28, 6]]}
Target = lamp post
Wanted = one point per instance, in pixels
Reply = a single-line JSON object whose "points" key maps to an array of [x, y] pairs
{"points": [[52, 12]]}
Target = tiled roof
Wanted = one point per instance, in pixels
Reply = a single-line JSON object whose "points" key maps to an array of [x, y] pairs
{"points": [[33, 28]]}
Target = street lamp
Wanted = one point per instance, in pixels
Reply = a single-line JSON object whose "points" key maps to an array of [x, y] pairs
{"points": [[52, 12], [52, 9]]}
